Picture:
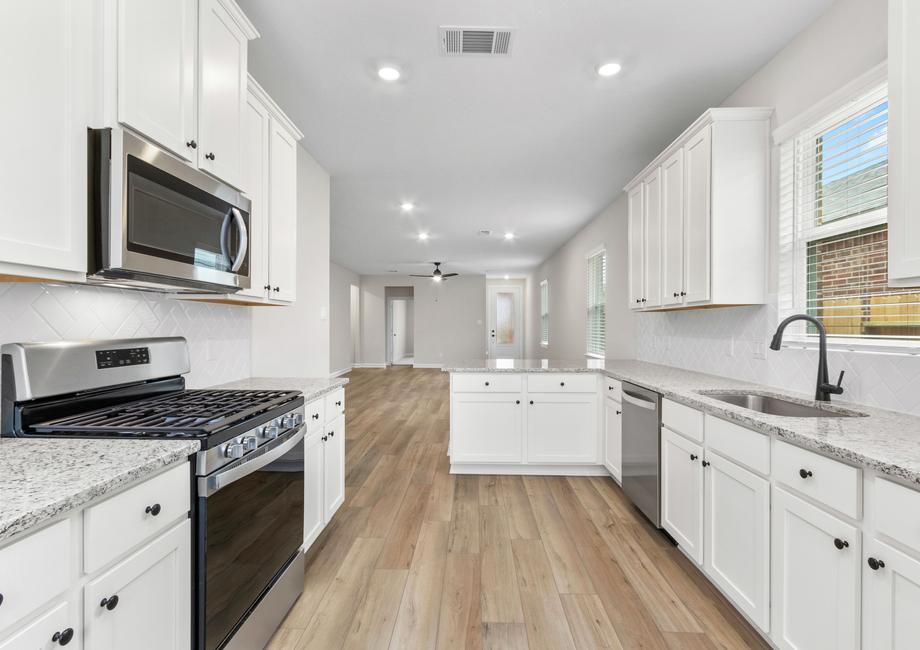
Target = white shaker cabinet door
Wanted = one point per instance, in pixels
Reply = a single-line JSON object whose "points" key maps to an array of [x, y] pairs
{"points": [[255, 179], [562, 429], [816, 559], [636, 218], [47, 65], [144, 602], [891, 598], [697, 216], [682, 492], [613, 442], [314, 500], [156, 71], [486, 428], [672, 226], [282, 206], [334, 467], [653, 240], [221, 93]]}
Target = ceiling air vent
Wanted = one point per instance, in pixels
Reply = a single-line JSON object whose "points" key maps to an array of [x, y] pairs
{"points": [[461, 41]]}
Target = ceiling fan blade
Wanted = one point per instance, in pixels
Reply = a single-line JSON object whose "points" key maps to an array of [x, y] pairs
{"points": [[449, 275], [412, 275]]}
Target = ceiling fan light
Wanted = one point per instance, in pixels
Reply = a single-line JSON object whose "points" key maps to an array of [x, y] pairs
{"points": [[436, 278]]}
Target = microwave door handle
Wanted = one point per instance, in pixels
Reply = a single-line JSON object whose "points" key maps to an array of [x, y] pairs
{"points": [[224, 235], [244, 240]]}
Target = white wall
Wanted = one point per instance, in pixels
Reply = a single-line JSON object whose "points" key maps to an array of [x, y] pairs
{"points": [[565, 271], [293, 341], [341, 350], [449, 318], [218, 335]]}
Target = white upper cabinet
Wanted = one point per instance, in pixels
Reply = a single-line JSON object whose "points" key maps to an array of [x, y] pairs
{"points": [[903, 143], [282, 207], [47, 66], [223, 44], [703, 215], [256, 125], [156, 71], [636, 217]]}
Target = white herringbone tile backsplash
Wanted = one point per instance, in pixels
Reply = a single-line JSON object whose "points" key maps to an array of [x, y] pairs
{"points": [[722, 342], [218, 335]]}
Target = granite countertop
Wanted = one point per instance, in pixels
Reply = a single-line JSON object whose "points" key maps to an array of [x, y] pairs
{"points": [[310, 387], [885, 441], [43, 478]]}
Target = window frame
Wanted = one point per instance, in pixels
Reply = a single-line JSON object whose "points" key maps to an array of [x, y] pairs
{"points": [[544, 313], [597, 251], [849, 102]]}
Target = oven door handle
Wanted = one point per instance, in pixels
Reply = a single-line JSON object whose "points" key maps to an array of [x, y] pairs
{"points": [[208, 485]]}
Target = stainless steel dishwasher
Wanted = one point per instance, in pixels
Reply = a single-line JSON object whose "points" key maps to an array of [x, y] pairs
{"points": [[642, 449]]}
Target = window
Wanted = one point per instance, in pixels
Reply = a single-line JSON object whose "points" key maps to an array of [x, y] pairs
{"points": [[597, 297], [544, 313], [833, 227]]}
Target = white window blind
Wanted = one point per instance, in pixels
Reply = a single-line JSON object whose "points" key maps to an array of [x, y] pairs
{"points": [[544, 313], [833, 226], [597, 297]]}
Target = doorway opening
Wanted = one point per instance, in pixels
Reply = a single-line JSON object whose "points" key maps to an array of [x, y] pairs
{"points": [[355, 321], [400, 305]]}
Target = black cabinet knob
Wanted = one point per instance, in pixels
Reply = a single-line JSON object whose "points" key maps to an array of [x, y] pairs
{"points": [[267, 287], [517, 401], [683, 293], [209, 156], [676, 294], [63, 637], [619, 412], [875, 564], [315, 416], [191, 144], [276, 289], [562, 383], [531, 402], [1, 599], [841, 544], [153, 510], [331, 433], [706, 463], [693, 456], [487, 383], [339, 403], [805, 473], [325, 438], [109, 603], [645, 300]]}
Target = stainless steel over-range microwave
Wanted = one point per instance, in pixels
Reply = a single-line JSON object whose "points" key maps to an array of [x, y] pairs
{"points": [[158, 223]]}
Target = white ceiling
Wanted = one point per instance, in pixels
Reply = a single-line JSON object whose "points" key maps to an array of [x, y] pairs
{"points": [[535, 143]]}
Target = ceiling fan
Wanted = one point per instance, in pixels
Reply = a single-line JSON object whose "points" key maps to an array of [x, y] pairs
{"points": [[437, 275]]}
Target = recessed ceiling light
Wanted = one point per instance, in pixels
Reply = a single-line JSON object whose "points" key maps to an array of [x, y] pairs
{"points": [[507, 277], [388, 73], [609, 69], [509, 235], [422, 236], [407, 206]]}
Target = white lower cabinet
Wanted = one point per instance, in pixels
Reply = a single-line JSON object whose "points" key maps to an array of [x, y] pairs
{"points": [[144, 602], [816, 577], [613, 438], [52, 629], [562, 428], [682, 492], [334, 466], [891, 598], [486, 428], [737, 536], [314, 504]]}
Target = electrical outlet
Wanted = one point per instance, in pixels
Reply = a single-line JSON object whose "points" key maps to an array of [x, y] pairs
{"points": [[758, 350], [730, 347]]}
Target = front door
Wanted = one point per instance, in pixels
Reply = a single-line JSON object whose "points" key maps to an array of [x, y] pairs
{"points": [[506, 325]]}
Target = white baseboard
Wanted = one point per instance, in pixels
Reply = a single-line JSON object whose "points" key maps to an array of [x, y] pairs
{"points": [[528, 470], [339, 373], [369, 365], [428, 365]]}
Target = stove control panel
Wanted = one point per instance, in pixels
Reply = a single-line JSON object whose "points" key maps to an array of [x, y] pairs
{"points": [[121, 358]]}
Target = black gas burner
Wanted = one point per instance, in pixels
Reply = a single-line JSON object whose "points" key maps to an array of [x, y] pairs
{"points": [[188, 413]]}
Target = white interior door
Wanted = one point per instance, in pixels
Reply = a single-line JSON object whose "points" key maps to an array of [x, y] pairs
{"points": [[401, 331], [506, 324]]}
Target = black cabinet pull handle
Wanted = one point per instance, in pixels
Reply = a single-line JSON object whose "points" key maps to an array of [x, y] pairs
{"points": [[619, 412], [209, 156], [109, 603], [64, 637], [693, 456], [805, 473], [153, 510], [706, 463], [841, 544], [875, 564]]}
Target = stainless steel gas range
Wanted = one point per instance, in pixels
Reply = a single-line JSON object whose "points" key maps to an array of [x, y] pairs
{"points": [[248, 478]]}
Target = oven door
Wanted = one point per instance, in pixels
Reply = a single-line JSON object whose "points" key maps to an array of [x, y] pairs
{"points": [[168, 223], [250, 528]]}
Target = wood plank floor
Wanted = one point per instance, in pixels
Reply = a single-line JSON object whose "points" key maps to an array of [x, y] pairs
{"points": [[418, 558]]}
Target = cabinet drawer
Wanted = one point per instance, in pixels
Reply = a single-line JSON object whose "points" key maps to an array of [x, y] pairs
{"points": [[682, 419], [33, 571], [314, 414], [117, 525], [613, 389], [552, 382], [486, 383], [38, 633], [897, 513], [741, 445], [335, 404], [832, 483]]}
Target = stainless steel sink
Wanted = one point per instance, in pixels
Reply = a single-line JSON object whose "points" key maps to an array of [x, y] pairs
{"points": [[778, 406]]}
